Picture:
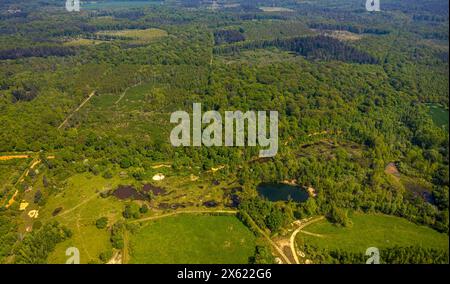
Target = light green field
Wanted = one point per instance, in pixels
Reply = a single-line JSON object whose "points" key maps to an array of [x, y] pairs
{"points": [[83, 42], [276, 9], [193, 239], [81, 207], [439, 115], [379, 231], [140, 36]]}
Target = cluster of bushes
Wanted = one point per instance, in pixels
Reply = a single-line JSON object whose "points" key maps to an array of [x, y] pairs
{"points": [[391, 255], [265, 213], [8, 236], [228, 36], [134, 211], [37, 245], [101, 223], [116, 239], [263, 255], [38, 51]]}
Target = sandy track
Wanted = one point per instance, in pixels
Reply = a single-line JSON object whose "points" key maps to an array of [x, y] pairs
{"points": [[79, 205], [76, 110], [5, 158], [301, 226]]}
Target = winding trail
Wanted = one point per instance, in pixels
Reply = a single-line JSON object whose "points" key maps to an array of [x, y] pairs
{"points": [[81, 236], [271, 242], [303, 224], [22, 176], [125, 252], [79, 205]]}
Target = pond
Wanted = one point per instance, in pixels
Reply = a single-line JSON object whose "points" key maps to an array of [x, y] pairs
{"points": [[282, 192]]}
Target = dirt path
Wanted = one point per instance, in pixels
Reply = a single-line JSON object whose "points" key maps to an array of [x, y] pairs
{"points": [[212, 51], [311, 234], [125, 252], [81, 236], [125, 91], [303, 224], [79, 205], [116, 258], [32, 164], [76, 110], [21, 178], [161, 166], [10, 157], [270, 241]]}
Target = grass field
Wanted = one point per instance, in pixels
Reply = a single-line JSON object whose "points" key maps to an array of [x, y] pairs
{"points": [[139, 36], [193, 239], [368, 230], [439, 114], [81, 207], [276, 9], [83, 42]]}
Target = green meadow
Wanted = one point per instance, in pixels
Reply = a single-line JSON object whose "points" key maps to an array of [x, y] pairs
{"points": [[439, 114], [369, 230], [193, 239]]}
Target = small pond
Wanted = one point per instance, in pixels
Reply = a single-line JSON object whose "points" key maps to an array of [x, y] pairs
{"points": [[282, 192]]}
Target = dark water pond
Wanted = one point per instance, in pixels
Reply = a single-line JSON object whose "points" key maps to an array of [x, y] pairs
{"points": [[282, 192], [128, 192]]}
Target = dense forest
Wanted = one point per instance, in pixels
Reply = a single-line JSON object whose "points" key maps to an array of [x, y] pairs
{"points": [[392, 255], [319, 47], [353, 91]]}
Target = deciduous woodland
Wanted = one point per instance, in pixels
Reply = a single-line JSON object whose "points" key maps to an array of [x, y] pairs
{"points": [[85, 153]]}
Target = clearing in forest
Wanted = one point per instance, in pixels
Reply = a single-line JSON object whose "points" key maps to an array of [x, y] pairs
{"points": [[137, 35]]}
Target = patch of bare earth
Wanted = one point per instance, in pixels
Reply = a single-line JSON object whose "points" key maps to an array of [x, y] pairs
{"points": [[116, 259], [391, 169]]}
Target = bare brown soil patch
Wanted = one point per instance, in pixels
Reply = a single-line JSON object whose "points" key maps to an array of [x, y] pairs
{"points": [[391, 169]]}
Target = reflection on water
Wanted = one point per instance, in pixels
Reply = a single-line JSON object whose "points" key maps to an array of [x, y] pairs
{"points": [[282, 192]]}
